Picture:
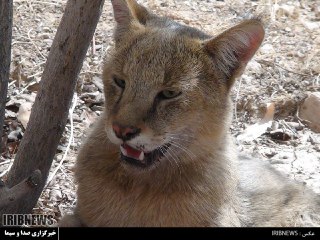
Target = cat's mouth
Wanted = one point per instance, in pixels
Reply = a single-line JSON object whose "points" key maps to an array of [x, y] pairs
{"points": [[139, 158]]}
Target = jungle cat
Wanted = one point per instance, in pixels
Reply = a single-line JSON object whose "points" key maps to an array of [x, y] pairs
{"points": [[161, 153]]}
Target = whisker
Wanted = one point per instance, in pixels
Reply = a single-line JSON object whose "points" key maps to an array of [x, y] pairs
{"points": [[182, 139], [180, 134], [182, 147], [176, 160], [190, 154], [164, 154]]}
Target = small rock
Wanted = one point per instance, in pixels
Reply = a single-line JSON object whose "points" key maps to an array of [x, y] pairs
{"points": [[274, 125], [48, 41], [89, 88], [311, 25], [29, 97], [310, 111], [267, 49], [95, 63], [76, 118], [163, 4], [270, 153], [15, 135], [55, 195], [61, 148], [316, 68], [247, 79], [45, 36], [46, 29], [286, 10], [295, 125], [98, 47], [300, 54], [287, 29], [313, 140], [15, 103], [254, 66], [187, 3], [9, 114]]}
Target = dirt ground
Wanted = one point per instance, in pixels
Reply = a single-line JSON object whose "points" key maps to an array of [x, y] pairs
{"points": [[284, 72]]}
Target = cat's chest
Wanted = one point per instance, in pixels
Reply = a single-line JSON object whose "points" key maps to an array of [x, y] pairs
{"points": [[140, 208]]}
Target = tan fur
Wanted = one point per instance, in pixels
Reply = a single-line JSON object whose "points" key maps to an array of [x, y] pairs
{"points": [[199, 181]]}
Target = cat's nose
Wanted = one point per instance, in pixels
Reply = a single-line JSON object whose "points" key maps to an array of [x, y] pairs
{"points": [[125, 132]]}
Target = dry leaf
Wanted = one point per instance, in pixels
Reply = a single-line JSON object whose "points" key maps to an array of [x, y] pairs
{"points": [[286, 10], [98, 82], [24, 113], [281, 135], [13, 147], [34, 87], [17, 74], [256, 130]]}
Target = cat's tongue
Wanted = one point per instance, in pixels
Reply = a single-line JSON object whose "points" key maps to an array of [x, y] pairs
{"points": [[131, 152]]}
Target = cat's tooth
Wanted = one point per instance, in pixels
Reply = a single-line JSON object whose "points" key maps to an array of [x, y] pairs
{"points": [[141, 156], [123, 150]]}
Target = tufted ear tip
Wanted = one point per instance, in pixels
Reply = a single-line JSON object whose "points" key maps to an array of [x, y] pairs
{"points": [[234, 48], [121, 11], [129, 16], [254, 32]]}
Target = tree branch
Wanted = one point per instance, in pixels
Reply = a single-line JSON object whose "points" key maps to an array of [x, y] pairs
{"points": [[50, 110], [5, 56]]}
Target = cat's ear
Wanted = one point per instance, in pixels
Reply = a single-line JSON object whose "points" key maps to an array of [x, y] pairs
{"points": [[232, 50], [129, 16]]}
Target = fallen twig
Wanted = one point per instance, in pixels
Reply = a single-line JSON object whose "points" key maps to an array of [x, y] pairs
{"points": [[5, 162], [8, 168]]}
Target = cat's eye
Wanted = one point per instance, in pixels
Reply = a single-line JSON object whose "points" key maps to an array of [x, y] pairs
{"points": [[168, 94], [120, 83]]}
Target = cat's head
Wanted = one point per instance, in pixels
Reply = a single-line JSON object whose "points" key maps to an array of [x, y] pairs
{"points": [[167, 85]]}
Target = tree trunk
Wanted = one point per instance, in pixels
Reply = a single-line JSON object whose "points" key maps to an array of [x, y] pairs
{"points": [[5, 56], [50, 110]]}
